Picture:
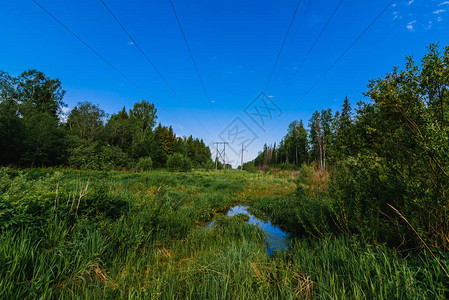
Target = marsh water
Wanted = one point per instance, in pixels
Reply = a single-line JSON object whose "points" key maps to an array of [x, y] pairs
{"points": [[275, 238]]}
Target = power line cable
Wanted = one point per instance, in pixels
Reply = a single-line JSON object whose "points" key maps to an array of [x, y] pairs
{"points": [[339, 58], [312, 47], [282, 45], [295, 33], [194, 62], [154, 66], [105, 60]]}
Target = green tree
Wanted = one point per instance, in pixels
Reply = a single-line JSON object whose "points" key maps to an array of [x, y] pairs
{"points": [[316, 138], [167, 140], [179, 163], [12, 133], [33, 102], [38, 93], [45, 142], [326, 123], [401, 157], [142, 118], [86, 121], [144, 164], [344, 139], [118, 131]]}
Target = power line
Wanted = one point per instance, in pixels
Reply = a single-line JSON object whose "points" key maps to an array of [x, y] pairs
{"points": [[241, 159], [193, 61], [347, 50], [221, 153], [282, 45], [104, 59], [295, 33], [311, 47], [154, 66], [339, 57]]}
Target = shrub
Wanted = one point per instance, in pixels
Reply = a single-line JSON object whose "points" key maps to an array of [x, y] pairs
{"points": [[97, 157], [179, 163], [144, 164]]}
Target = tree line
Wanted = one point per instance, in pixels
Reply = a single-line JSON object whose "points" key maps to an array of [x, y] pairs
{"points": [[32, 132], [388, 161], [328, 137]]}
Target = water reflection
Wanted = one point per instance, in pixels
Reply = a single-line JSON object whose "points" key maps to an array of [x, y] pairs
{"points": [[276, 239]]}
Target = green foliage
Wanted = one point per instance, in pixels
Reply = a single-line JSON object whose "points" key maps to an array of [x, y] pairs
{"points": [[179, 163], [45, 141], [118, 131], [387, 164], [90, 234], [293, 148], [86, 121], [361, 200], [37, 93], [144, 164], [400, 157], [344, 139], [29, 124], [12, 133], [96, 157], [32, 132]]}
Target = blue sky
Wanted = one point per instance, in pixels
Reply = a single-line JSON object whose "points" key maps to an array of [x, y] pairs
{"points": [[235, 45]]}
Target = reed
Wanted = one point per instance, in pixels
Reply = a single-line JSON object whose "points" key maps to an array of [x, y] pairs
{"points": [[139, 236]]}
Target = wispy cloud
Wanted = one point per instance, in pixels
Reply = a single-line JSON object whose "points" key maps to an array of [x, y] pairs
{"points": [[443, 3], [396, 15], [428, 26], [439, 11], [410, 26], [439, 19], [411, 2]]}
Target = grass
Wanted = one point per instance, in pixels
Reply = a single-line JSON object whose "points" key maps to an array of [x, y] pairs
{"points": [[141, 236]]}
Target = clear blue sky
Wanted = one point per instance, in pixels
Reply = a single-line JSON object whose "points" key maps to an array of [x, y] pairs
{"points": [[235, 44]]}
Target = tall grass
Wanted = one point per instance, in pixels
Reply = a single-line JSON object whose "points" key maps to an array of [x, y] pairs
{"points": [[140, 236]]}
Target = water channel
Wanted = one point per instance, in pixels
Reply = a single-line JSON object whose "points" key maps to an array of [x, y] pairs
{"points": [[275, 238]]}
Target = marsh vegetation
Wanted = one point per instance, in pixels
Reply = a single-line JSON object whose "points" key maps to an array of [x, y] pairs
{"points": [[91, 234]]}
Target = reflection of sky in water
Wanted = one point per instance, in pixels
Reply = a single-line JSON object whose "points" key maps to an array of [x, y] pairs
{"points": [[276, 239]]}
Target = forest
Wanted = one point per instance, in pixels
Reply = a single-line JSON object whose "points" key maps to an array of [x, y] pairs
{"points": [[388, 160], [96, 206], [35, 132]]}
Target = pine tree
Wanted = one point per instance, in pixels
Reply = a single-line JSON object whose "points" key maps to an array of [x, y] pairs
{"points": [[316, 138], [344, 140]]}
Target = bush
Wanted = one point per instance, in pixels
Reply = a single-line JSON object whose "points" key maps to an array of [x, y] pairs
{"points": [[112, 157], [97, 157], [144, 164], [362, 187], [179, 163]]}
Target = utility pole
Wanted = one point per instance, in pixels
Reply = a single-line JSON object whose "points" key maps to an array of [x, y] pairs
{"points": [[216, 158], [241, 160], [222, 154]]}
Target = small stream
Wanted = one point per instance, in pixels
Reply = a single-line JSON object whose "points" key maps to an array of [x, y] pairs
{"points": [[275, 238]]}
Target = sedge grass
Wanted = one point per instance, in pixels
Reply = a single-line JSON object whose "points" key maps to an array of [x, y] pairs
{"points": [[135, 236]]}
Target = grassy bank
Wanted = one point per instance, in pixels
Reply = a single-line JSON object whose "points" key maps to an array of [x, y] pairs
{"points": [[106, 235]]}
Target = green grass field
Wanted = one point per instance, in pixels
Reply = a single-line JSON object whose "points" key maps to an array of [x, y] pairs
{"points": [[114, 235]]}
